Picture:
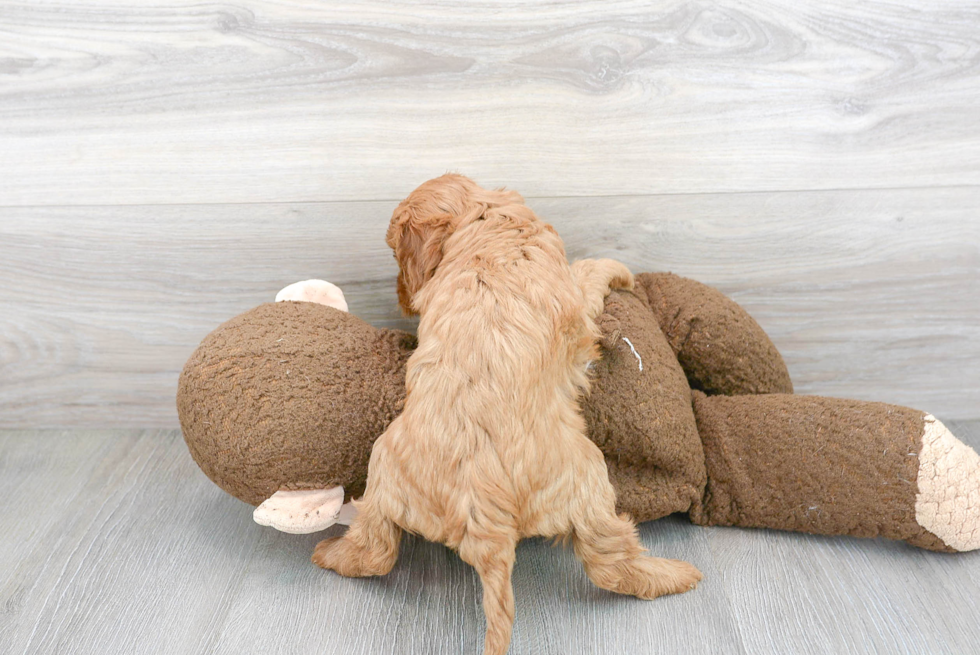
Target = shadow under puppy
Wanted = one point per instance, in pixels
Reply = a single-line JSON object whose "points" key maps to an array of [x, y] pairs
{"points": [[491, 445]]}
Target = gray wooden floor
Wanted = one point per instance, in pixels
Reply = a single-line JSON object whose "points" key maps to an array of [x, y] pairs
{"points": [[165, 166], [113, 542]]}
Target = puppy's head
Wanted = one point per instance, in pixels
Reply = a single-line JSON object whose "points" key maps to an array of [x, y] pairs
{"points": [[424, 220]]}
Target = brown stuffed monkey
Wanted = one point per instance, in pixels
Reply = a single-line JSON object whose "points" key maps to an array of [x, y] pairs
{"points": [[280, 407]]}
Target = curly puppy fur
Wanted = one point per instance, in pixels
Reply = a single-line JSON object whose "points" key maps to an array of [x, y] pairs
{"points": [[491, 446]]}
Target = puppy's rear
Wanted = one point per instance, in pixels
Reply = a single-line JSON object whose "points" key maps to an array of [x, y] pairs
{"points": [[491, 446]]}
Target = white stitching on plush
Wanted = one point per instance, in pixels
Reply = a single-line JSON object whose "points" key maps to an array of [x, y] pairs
{"points": [[636, 354]]}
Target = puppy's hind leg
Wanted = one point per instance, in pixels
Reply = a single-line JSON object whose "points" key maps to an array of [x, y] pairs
{"points": [[596, 278], [369, 547], [614, 560], [492, 554], [609, 547]]}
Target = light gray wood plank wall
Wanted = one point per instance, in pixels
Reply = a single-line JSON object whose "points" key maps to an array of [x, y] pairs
{"points": [[820, 163], [143, 102], [869, 294]]}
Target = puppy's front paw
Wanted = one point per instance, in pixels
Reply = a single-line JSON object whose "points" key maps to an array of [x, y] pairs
{"points": [[620, 277]]}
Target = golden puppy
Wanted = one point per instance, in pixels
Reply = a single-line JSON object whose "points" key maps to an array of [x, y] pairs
{"points": [[491, 446]]}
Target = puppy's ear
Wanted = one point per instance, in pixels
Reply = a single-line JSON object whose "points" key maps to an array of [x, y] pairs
{"points": [[417, 243]]}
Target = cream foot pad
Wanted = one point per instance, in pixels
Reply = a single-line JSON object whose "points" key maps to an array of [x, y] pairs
{"points": [[948, 502]]}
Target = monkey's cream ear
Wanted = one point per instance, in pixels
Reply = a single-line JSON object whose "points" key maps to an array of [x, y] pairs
{"points": [[318, 291]]}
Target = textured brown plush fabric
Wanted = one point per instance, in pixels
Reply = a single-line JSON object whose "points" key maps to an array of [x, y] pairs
{"points": [[811, 464], [642, 419], [720, 347], [291, 395], [257, 391]]}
